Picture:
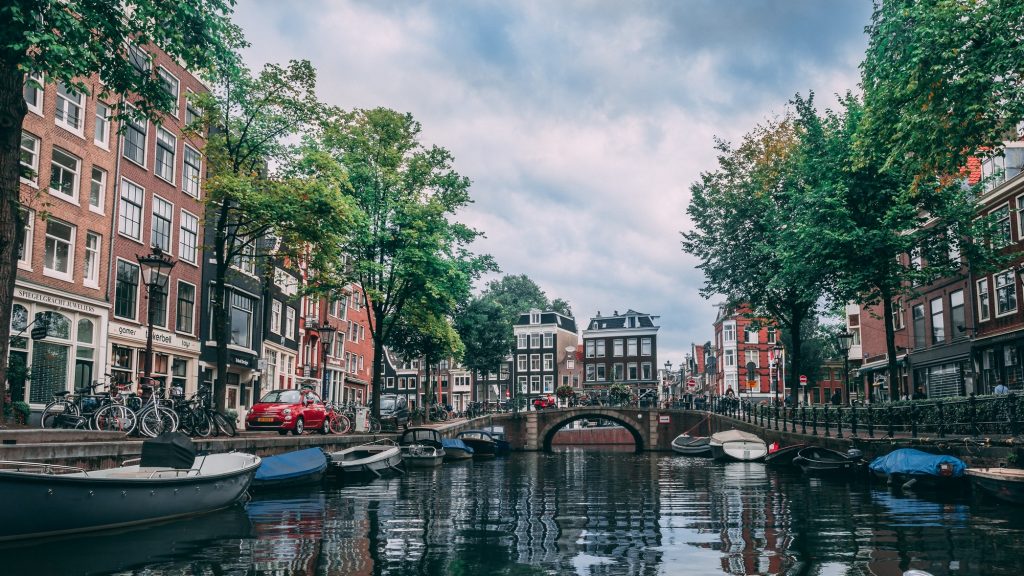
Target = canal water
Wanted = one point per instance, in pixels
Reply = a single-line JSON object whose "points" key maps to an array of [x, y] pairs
{"points": [[574, 512]]}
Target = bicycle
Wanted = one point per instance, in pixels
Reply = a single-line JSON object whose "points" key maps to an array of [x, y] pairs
{"points": [[221, 424], [154, 417], [114, 415], [339, 423], [66, 409]]}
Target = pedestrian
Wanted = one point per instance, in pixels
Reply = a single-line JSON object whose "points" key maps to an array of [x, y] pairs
{"points": [[1002, 389], [837, 398], [919, 394]]}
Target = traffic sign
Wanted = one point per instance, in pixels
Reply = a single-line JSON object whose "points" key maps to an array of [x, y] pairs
{"points": [[803, 380]]}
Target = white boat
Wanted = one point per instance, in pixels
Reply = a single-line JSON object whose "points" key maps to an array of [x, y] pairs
{"points": [[373, 459], [737, 445], [421, 447], [691, 445]]}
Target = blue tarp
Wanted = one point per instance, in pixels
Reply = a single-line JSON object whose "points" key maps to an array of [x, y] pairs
{"points": [[456, 443], [910, 461], [291, 464]]}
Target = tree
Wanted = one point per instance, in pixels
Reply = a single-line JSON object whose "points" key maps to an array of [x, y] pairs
{"points": [[68, 40], [484, 331], [421, 333], [410, 251], [516, 294], [264, 198]]}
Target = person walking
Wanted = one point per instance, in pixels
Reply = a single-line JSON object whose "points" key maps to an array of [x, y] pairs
{"points": [[837, 398]]}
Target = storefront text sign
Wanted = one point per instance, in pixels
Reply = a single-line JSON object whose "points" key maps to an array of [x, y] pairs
{"points": [[160, 338]]}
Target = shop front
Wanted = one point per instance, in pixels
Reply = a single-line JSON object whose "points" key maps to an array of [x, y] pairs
{"points": [[175, 358], [998, 360]]}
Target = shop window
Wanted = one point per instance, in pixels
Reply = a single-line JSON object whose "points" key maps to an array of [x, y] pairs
{"points": [[179, 374], [122, 364]]}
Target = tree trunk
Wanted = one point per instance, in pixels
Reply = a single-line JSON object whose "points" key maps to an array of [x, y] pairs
{"points": [[221, 327], [12, 113], [890, 347], [795, 353], [378, 360]]}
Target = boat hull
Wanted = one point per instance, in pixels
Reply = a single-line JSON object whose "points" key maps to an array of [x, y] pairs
{"points": [[382, 460], [482, 448], [49, 505], [691, 446], [421, 456], [815, 461], [784, 456], [455, 454], [308, 479], [1001, 483], [737, 445], [298, 468]]}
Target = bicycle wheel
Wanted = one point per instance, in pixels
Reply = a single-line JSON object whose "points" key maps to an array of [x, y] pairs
{"points": [[374, 425], [156, 421], [340, 424], [53, 412], [115, 418], [201, 423], [224, 424]]}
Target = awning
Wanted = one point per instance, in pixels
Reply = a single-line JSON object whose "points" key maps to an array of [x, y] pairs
{"points": [[880, 365]]}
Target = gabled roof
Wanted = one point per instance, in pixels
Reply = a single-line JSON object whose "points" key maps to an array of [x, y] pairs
{"points": [[619, 321], [549, 317]]}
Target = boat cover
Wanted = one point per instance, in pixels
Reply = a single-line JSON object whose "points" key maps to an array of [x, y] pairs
{"points": [[735, 436], [910, 461], [456, 443], [291, 464], [168, 450]]}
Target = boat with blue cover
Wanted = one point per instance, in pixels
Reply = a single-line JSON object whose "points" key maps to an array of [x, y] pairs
{"points": [[297, 468], [455, 449], [908, 467], [501, 447]]}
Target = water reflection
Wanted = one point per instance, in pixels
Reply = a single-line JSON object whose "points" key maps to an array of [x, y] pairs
{"points": [[577, 512]]}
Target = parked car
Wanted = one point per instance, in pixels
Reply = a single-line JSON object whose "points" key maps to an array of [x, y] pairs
{"points": [[394, 412], [289, 410], [542, 402]]}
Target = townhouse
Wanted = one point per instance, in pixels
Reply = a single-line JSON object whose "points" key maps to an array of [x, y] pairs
{"points": [[543, 342], [745, 359], [621, 348]]}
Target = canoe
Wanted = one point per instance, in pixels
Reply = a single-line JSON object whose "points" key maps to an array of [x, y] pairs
{"points": [[421, 447], [783, 456], [373, 460], [502, 447], [737, 445], [482, 443], [48, 500], [296, 468], [817, 461], [691, 445], [455, 449], [908, 468], [1006, 484]]}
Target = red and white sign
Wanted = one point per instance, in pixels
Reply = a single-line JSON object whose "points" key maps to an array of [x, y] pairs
{"points": [[803, 380], [664, 419], [691, 384]]}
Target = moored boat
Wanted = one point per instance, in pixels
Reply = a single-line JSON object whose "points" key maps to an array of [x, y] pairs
{"points": [[421, 447], [502, 447], [908, 468], [783, 456], [737, 445], [296, 468], [167, 482], [818, 461], [372, 459], [481, 441], [691, 445], [455, 449], [1006, 484]]}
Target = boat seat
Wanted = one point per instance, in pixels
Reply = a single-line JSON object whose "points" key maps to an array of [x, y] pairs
{"points": [[152, 473]]}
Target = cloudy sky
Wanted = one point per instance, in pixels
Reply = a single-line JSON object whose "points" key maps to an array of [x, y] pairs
{"points": [[582, 124]]}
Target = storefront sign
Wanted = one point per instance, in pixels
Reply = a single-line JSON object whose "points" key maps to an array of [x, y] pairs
{"points": [[55, 301], [246, 361], [160, 338]]}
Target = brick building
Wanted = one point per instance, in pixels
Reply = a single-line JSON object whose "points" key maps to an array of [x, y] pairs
{"points": [[744, 349], [542, 341], [621, 348]]}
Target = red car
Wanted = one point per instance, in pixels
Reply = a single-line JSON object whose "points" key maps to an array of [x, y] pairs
{"points": [[289, 410], [543, 402]]}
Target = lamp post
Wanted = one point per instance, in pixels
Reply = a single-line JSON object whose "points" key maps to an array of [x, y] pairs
{"points": [[844, 340], [327, 333], [668, 376], [777, 356], [153, 267]]}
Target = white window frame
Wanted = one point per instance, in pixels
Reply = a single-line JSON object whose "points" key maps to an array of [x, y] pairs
{"points": [[121, 218], [76, 176], [289, 323], [646, 346], [632, 347], [549, 339], [618, 347], [549, 361], [101, 119], [166, 144], [590, 348], [600, 348], [138, 288], [534, 362], [535, 340], [91, 265], [164, 75], [549, 383], [97, 208], [25, 262], [275, 317], [51, 272], [129, 126], [190, 181], [187, 219], [37, 107], [1011, 285], [161, 210], [522, 341], [522, 361], [63, 106], [34, 166], [177, 301], [729, 358], [752, 356], [729, 332], [984, 301]]}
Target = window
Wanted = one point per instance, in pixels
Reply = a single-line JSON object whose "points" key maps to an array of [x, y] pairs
{"points": [[170, 85], [1006, 293], [534, 384], [1001, 235], [97, 188], [188, 238], [535, 340], [241, 319], [135, 141], [751, 356], [600, 348], [570, 363], [645, 371], [275, 317], [549, 339], [245, 261], [126, 290], [161, 226], [897, 314], [91, 274], [29, 158], [549, 362], [917, 317], [645, 346], [730, 358], [534, 317], [521, 362], [631, 371], [750, 335], [25, 245], [958, 322], [601, 375], [64, 169], [915, 259], [60, 241], [139, 59], [289, 324], [983, 300], [101, 126], [771, 336], [938, 324], [617, 347], [157, 308], [69, 108], [589, 368], [190, 171], [521, 341], [33, 92], [185, 307], [589, 348], [192, 114], [534, 362], [166, 144], [549, 384], [631, 347], [729, 332]]}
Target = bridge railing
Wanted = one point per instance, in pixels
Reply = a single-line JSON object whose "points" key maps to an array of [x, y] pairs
{"points": [[960, 416]]}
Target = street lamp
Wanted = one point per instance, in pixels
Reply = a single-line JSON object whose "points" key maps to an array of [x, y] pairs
{"points": [[153, 267], [845, 341], [777, 349], [668, 376], [327, 339]]}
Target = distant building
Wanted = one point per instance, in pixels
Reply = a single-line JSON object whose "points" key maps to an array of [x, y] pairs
{"points": [[542, 341], [621, 348], [744, 350]]}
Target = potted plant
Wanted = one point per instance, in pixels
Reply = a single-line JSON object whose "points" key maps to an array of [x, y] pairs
{"points": [[618, 393], [21, 411]]}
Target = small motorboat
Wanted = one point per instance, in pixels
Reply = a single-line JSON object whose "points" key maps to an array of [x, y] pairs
{"points": [[908, 468], [421, 447], [1006, 484], [502, 448], [818, 461], [481, 441], [691, 445], [168, 481], [455, 449], [737, 445], [372, 459], [296, 468], [782, 456]]}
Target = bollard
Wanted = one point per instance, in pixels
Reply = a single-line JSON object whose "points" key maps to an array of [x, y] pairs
{"points": [[792, 419], [839, 422], [892, 430], [825, 416], [973, 414], [853, 421], [913, 419], [871, 422], [803, 419], [942, 419], [1012, 399], [814, 420]]}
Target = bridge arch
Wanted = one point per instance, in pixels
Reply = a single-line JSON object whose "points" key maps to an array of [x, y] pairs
{"points": [[550, 422]]}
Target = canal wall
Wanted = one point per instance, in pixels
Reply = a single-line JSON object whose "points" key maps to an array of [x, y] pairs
{"points": [[605, 435]]}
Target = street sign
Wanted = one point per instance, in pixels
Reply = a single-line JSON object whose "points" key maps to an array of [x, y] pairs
{"points": [[664, 419], [691, 384], [803, 380]]}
